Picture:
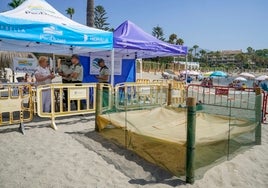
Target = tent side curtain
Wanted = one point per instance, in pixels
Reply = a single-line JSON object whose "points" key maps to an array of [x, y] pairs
{"points": [[129, 37], [128, 70]]}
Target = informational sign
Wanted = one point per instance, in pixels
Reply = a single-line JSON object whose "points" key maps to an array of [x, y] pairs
{"points": [[25, 65], [222, 91], [78, 94], [95, 69]]}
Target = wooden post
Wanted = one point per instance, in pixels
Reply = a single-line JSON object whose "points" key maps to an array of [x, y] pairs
{"points": [[258, 114], [169, 99], [190, 153], [98, 105]]}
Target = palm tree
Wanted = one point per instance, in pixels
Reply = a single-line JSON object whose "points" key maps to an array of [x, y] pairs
{"points": [[100, 18], [90, 13], [240, 58], [180, 41], [191, 50], [158, 33], [202, 53], [15, 3], [190, 54], [218, 55], [250, 50], [70, 12], [195, 47], [172, 38]]}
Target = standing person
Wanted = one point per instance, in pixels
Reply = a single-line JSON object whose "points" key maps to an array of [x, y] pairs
{"points": [[65, 71], [44, 76], [27, 78], [77, 70], [104, 77], [77, 73]]}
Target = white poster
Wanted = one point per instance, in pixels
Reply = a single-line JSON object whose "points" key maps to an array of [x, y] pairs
{"points": [[25, 65], [95, 69]]}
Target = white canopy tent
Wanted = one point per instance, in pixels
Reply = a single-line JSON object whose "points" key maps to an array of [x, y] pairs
{"points": [[35, 26]]}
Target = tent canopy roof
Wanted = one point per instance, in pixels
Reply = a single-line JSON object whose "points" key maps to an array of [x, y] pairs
{"points": [[36, 26], [130, 39]]}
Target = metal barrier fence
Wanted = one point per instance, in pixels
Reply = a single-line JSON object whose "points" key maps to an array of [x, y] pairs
{"points": [[264, 105], [68, 99], [145, 95], [137, 95], [16, 104], [143, 81], [222, 95]]}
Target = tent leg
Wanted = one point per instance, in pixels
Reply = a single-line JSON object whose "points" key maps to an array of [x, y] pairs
{"points": [[53, 124], [21, 128]]}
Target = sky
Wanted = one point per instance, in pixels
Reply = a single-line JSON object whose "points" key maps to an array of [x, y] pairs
{"points": [[210, 24]]}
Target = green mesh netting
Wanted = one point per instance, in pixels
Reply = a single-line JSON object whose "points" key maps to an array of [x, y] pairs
{"points": [[225, 126]]}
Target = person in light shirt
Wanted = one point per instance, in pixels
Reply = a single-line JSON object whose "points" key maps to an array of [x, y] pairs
{"points": [[44, 76]]}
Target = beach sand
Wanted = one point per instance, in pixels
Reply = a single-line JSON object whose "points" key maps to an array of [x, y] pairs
{"points": [[77, 156]]}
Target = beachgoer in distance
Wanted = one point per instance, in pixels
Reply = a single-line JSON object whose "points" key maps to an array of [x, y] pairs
{"points": [[189, 79], [244, 86], [44, 76], [264, 86], [210, 82]]}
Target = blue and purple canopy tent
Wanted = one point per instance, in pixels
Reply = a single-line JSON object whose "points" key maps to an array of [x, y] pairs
{"points": [[131, 40]]}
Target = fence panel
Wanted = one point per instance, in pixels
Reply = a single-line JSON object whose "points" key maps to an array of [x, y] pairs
{"points": [[68, 99], [16, 104]]}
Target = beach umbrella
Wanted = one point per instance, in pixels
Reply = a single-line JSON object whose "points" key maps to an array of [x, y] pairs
{"points": [[241, 79], [185, 72], [247, 75], [263, 77], [194, 73], [207, 73], [218, 74]]}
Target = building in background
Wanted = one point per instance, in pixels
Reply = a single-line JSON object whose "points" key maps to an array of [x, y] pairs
{"points": [[225, 56]]}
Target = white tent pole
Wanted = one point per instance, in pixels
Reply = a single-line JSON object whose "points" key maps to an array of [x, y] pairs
{"points": [[54, 63], [186, 66], [140, 60], [112, 67]]}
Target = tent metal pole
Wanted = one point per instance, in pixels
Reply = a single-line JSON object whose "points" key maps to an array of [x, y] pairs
{"points": [[54, 63], [186, 67], [112, 67], [140, 68]]}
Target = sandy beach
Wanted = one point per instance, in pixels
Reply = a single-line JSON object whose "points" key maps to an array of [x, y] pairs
{"points": [[77, 156]]}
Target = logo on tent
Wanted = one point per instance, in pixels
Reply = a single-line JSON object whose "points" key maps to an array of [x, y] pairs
{"points": [[85, 38], [52, 30], [40, 10]]}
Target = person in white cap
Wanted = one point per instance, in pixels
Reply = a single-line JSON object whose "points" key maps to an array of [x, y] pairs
{"points": [[44, 76]]}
